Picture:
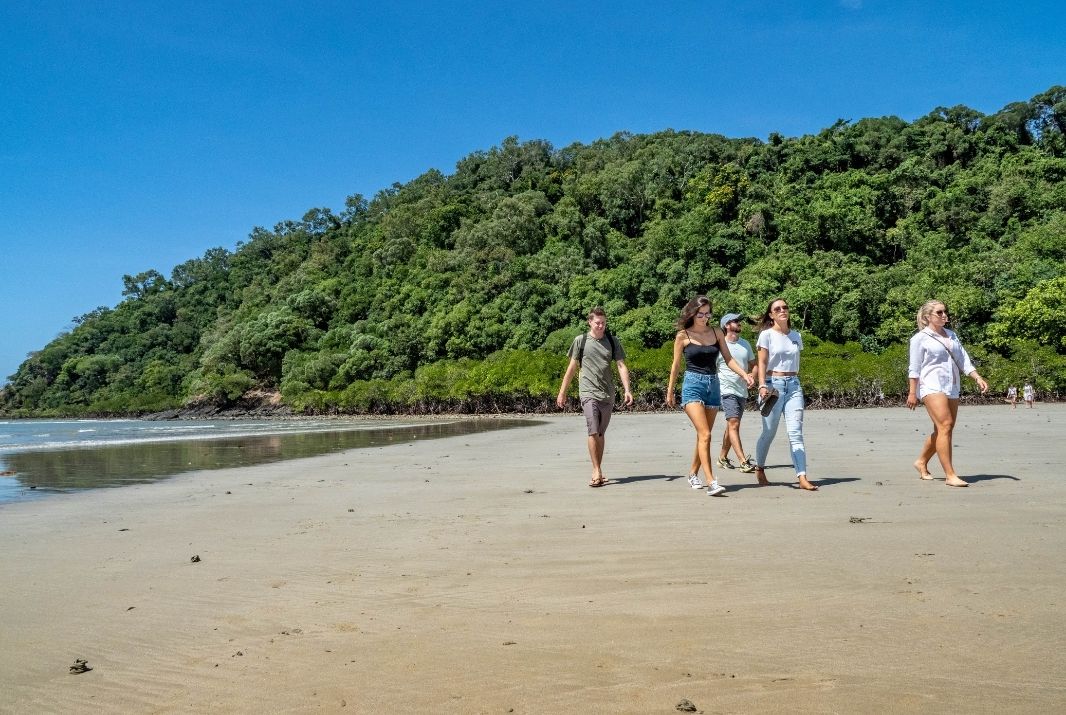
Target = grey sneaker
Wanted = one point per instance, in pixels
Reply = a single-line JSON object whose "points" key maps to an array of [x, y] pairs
{"points": [[715, 489], [747, 467], [695, 482], [725, 463]]}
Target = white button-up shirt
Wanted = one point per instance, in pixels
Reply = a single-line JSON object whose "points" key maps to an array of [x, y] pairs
{"points": [[935, 361]]}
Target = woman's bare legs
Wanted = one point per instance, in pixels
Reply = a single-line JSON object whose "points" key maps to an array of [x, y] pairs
{"points": [[942, 411], [928, 450], [702, 419]]}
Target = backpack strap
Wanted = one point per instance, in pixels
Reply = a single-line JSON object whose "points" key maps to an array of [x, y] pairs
{"points": [[584, 339]]}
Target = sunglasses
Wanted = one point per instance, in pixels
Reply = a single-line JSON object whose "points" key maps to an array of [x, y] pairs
{"points": [[703, 315], [940, 312], [779, 309]]}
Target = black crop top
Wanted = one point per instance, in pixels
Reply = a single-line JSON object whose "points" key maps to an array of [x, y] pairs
{"points": [[701, 359]]}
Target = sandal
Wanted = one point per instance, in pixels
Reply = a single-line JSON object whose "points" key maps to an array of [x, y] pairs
{"points": [[598, 482]]}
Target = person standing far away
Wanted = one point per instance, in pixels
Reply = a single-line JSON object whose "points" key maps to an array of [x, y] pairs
{"points": [[591, 354], [735, 393], [1012, 397], [1027, 395], [701, 344], [779, 364], [937, 360]]}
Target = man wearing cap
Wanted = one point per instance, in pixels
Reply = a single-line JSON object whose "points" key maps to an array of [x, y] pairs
{"points": [[735, 392]]}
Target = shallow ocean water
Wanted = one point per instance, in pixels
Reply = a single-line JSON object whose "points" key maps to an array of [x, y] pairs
{"points": [[47, 457]]}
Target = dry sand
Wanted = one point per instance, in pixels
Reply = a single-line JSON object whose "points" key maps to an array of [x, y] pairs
{"points": [[479, 574]]}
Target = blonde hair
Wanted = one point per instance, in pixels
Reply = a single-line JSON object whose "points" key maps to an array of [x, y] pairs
{"points": [[925, 310]]}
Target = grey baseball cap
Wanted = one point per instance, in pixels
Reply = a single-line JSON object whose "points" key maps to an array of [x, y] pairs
{"points": [[728, 317]]}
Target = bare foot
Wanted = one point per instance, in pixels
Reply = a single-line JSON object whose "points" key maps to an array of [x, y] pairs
{"points": [[804, 484], [923, 473], [760, 474], [955, 482]]}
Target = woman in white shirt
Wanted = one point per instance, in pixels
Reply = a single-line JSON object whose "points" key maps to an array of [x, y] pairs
{"points": [[779, 362], [937, 362]]}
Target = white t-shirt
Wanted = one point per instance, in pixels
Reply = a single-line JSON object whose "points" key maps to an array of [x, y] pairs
{"points": [[783, 350], [729, 382]]}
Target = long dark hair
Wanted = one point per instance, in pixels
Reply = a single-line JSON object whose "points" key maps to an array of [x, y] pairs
{"points": [[688, 313], [766, 320]]}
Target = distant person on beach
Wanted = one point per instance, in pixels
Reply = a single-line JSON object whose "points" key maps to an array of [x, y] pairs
{"points": [[701, 343], [592, 353], [1012, 397], [937, 362], [1027, 395], [779, 349], [735, 393]]}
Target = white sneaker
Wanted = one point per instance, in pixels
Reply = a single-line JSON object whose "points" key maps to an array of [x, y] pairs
{"points": [[695, 482], [715, 489]]}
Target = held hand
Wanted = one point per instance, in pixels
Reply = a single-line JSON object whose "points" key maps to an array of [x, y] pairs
{"points": [[912, 401], [749, 380]]}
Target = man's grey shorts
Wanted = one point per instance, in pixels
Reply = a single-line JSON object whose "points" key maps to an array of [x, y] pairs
{"points": [[597, 414], [733, 406]]}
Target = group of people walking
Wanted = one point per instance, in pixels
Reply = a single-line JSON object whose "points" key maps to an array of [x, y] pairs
{"points": [[721, 367], [1027, 395]]}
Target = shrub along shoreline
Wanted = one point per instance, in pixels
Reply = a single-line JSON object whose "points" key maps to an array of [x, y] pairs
{"points": [[526, 382]]}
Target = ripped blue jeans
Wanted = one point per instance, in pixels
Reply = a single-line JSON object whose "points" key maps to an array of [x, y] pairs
{"points": [[789, 404]]}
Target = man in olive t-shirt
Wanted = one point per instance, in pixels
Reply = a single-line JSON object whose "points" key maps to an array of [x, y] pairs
{"points": [[593, 352]]}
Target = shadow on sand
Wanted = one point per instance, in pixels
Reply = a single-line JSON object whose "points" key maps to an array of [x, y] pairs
{"points": [[826, 481], [642, 478], [793, 484], [985, 477]]}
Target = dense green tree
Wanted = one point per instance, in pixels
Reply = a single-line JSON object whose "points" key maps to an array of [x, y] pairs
{"points": [[462, 290]]}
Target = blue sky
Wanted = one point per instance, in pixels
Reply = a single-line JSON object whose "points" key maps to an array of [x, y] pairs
{"points": [[137, 135]]}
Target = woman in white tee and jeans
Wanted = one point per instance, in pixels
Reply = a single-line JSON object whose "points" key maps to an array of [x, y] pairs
{"points": [[937, 362], [779, 363]]}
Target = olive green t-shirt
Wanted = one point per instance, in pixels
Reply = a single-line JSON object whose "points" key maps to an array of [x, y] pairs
{"points": [[597, 377]]}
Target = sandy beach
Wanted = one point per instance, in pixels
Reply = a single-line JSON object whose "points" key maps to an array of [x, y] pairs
{"points": [[479, 574]]}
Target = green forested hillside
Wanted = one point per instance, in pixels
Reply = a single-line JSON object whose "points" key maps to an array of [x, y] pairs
{"points": [[462, 291]]}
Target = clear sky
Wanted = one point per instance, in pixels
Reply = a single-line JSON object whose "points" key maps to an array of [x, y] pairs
{"points": [[136, 135]]}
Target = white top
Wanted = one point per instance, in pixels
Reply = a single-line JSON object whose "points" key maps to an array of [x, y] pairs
{"points": [[1028, 391], [783, 350], [729, 382], [935, 361]]}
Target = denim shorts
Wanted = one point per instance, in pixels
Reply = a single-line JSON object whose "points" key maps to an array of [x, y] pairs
{"points": [[697, 387]]}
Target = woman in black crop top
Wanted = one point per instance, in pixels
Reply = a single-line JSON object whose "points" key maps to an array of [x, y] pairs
{"points": [[699, 340]]}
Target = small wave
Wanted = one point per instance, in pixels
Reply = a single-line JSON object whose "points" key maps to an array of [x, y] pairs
{"points": [[86, 430]]}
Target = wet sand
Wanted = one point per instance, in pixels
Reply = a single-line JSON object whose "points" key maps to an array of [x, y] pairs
{"points": [[479, 574]]}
